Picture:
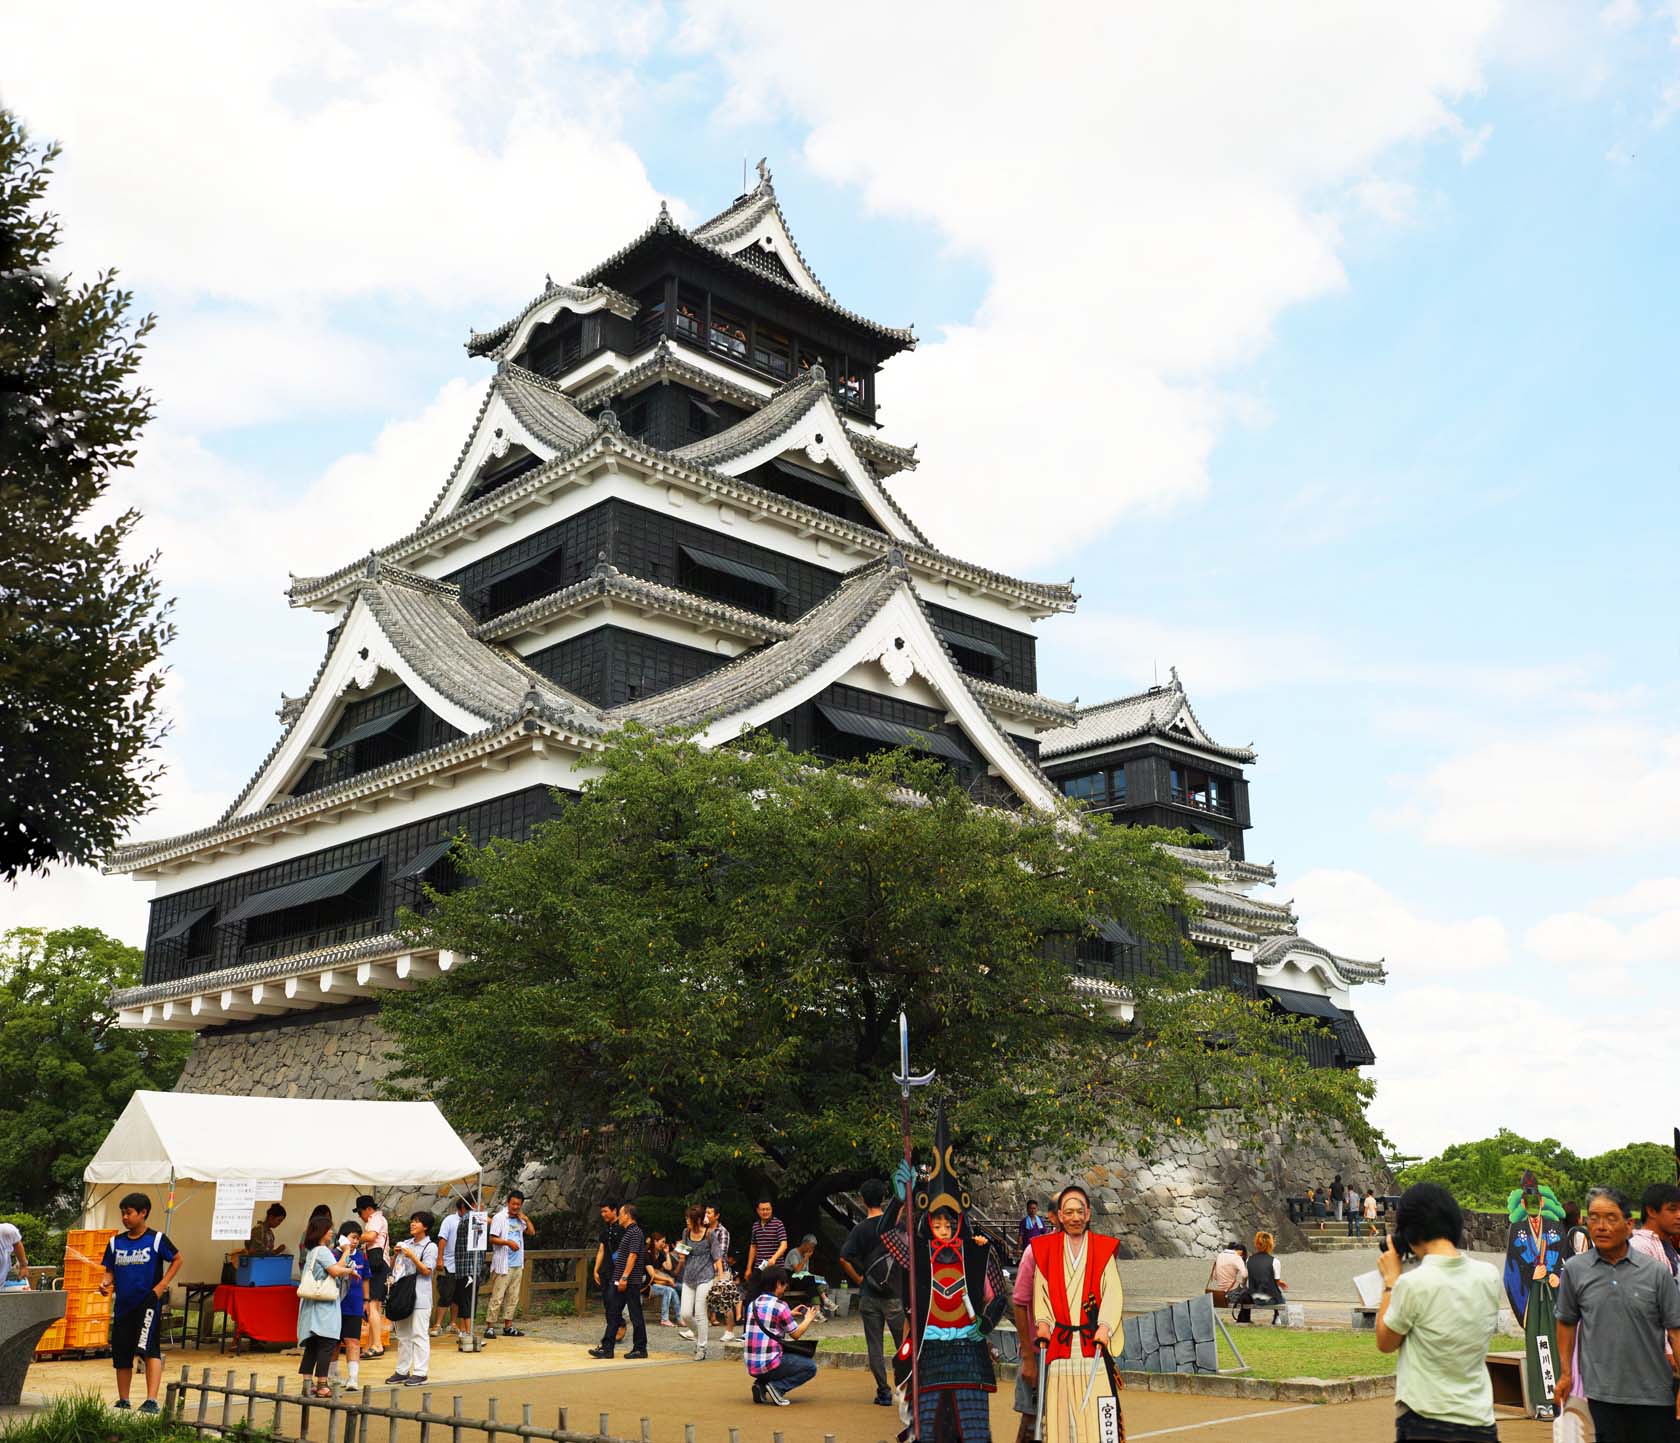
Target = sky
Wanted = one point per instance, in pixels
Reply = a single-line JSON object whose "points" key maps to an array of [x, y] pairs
{"points": [[1329, 349]]}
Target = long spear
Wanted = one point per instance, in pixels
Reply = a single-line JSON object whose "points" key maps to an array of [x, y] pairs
{"points": [[906, 1080]]}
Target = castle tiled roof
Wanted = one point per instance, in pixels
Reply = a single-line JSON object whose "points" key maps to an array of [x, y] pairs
{"points": [[1162, 711], [743, 214], [304, 590], [486, 342], [902, 336], [664, 364], [1274, 949]]}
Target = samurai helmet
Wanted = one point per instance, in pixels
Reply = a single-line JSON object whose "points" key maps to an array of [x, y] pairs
{"points": [[941, 1188], [1532, 1198]]}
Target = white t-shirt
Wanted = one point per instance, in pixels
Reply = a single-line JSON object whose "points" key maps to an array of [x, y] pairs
{"points": [[10, 1237], [404, 1265], [502, 1226], [446, 1241]]}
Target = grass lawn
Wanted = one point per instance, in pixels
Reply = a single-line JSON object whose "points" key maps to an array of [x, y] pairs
{"points": [[1283, 1353]]}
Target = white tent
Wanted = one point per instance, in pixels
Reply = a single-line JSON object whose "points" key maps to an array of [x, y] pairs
{"points": [[181, 1144]]}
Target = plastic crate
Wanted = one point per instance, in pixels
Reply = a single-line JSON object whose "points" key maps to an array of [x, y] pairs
{"points": [[52, 1341], [84, 1255], [84, 1304], [257, 1272], [87, 1332]]}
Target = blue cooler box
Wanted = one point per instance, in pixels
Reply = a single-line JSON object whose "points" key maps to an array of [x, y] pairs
{"points": [[264, 1272]]}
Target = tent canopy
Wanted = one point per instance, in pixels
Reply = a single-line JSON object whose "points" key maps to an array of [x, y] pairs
{"points": [[201, 1137]]}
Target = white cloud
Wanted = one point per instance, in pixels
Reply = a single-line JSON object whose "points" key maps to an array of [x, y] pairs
{"points": [[195, 502], [1148, 199], [1352, 914], [1600, 787], [1393, 202], [1457, 1061], [268, 154], [1655, 894]]}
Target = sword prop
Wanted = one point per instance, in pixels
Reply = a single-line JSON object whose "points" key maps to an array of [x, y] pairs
{"points": [[1038, 1415], [906, 1080]]}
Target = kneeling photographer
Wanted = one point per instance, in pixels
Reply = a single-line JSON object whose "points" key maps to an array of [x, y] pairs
{"points": [[1439, 1315]]}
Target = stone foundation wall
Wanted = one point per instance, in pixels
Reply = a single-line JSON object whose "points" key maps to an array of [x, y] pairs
{"points": [[345, 1055], [1186, 1199], [1191, 1195], [340, 1056]]}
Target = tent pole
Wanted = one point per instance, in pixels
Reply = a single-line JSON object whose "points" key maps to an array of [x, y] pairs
{"points": [[169, 1207]]}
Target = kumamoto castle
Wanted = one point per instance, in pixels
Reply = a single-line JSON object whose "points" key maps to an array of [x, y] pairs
{"points": [[675, 508]]}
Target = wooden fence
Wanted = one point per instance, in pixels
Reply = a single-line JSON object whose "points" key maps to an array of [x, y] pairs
{"points": [[357, 1421], [574, 1267]]}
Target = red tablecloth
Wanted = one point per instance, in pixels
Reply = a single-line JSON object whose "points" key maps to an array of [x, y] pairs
{"points": [[267, 1314]]}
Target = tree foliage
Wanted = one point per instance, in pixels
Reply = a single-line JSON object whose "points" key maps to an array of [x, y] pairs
{"points": [[81, 628], [66, 1069], [1482, 1174], [697, 970]]}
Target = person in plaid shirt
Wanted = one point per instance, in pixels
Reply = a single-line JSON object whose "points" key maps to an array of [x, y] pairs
{"points": [[770, 1322]]}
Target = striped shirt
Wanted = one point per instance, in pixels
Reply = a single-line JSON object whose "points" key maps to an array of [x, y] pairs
{"points": [[766, 1238]]}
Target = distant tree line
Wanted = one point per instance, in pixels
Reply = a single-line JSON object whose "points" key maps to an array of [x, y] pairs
{"points": [[1482, 1174]]}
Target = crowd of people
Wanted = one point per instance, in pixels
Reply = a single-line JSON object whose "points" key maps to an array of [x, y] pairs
{"points": [[1359, 1206], [1617, 1310]]}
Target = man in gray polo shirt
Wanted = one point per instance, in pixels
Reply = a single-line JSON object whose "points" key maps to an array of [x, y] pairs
{"points": [[1622, 1302]]}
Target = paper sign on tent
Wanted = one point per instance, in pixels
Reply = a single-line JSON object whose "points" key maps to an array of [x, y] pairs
{"points": [[236, 1200]]}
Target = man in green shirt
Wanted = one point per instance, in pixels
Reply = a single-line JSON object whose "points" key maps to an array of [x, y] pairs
{"points": [[1439, 1317]]}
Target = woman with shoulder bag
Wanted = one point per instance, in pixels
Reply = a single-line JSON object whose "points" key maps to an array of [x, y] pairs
{"points": [[318, 1315], [1439, 1316], [409, 1302]]}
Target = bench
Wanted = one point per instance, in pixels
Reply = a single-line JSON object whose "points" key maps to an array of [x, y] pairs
{"points": [[1362, 1319]]}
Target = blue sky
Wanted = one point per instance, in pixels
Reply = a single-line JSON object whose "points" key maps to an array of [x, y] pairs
{"points": [[1334, 359]]}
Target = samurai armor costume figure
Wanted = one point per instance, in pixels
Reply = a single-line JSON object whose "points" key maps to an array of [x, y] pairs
{"points": [[1077, 1292], [960, 1296], [1534, 1251]]}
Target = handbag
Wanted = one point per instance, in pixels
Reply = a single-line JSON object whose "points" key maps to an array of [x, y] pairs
{"points": [[399, 1301], [323, 1289], [800, 1347]]}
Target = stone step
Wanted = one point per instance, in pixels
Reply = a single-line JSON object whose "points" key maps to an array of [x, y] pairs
{"points": [[1326, 1244]]}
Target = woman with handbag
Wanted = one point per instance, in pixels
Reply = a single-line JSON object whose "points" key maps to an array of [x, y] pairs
{"points": [[318, 1316], [409, 1302]]}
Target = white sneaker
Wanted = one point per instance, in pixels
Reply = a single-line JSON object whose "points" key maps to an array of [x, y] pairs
{"points": [[699, 1355], [728, 1335], [686, 1333], [775, 1396]]}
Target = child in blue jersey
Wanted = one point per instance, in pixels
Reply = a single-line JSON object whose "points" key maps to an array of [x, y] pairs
{"points": [[352, 1306], [140, 1263]]}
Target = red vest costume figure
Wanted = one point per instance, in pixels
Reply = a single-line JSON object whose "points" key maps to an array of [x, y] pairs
{"points": [[960, 1295], [1077, 1301]]}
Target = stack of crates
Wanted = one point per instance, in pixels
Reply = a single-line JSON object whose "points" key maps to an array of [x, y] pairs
{"points": [[87, 1315]]}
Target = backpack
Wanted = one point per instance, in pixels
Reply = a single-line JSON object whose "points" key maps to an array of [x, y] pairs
{"points": [[882, 1274]]}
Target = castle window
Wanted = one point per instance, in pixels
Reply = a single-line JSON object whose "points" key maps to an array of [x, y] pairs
{"points": [[1193, 787], [728, 334], [691, 313], [726, 579], [976, 656], [518, 582], [770, 351], [1092, 787]]}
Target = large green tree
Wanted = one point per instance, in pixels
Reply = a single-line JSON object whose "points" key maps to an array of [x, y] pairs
{"points": [[66, 1069], [697, 971], [81, 625]]}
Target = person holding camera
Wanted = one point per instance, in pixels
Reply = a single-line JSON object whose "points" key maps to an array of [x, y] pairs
{"points": [[1439, 1316]]}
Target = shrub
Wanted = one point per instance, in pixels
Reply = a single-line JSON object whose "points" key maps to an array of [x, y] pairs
{"points": [[43, 1242]]}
